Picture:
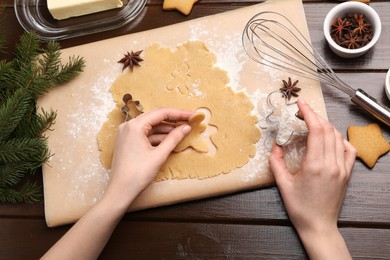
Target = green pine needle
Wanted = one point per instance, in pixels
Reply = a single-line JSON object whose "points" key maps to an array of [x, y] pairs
{"points": [[69, 70], [12, 111], [23, 150], [23, 146], [45, 71], [34, 125], [6, 70], [28, 49], [50, 60], [11, 174], [29, 193]]}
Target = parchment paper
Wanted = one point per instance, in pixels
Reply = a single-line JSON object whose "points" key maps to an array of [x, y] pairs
{"points": [[74, 179]]}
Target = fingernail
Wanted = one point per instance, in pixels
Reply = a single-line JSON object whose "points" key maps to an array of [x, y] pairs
{"points": [[299, 115], [301, 101], [186, 129]]}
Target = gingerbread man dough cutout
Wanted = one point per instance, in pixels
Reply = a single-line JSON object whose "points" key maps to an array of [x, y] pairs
{"points": [[194, 139]]}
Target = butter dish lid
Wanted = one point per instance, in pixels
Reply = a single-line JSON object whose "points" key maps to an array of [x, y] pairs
{"points": [[33, 15]]}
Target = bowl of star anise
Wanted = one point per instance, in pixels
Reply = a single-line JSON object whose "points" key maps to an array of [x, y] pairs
{"points": [[352, 28]]}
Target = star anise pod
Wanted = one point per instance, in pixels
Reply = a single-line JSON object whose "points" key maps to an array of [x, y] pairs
{"points": [[362, 27], [290, 89], [352, 41], [131, 59], [339, 27]]}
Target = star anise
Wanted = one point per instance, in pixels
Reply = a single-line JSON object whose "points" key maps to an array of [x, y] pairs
{"points": [[131, 59], [339, 27], [362, 27], [352, 41], [290, 89]]}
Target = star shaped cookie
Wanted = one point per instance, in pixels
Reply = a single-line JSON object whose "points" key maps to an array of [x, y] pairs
{"points": [[369, 143], [183, 6], [194, 139]]}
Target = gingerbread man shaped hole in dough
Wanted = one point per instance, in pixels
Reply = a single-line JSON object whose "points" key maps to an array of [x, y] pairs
{"points": [[199, 137]]}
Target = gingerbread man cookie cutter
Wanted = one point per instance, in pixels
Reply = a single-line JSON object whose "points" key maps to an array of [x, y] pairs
{"points": [[132, 108], [281, 118]]}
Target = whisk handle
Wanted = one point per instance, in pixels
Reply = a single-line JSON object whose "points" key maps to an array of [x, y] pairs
{"points": [[372, 106]]}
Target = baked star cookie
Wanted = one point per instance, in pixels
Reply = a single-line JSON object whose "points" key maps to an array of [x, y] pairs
{"points": [[369, 143], [183, 6]]}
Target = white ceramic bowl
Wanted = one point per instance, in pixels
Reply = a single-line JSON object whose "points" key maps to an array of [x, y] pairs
{"points": [[387, 84], [343, 9]]}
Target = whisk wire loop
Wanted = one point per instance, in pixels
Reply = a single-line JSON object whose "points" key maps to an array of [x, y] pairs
{"points": [[282, 46], [271, 39], [284, 43]]}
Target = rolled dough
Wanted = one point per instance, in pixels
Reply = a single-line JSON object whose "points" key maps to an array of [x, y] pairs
{"points": [[186, 78]]}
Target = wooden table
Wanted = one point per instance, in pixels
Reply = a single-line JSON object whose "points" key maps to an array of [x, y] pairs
{"points": [[250, 224]]}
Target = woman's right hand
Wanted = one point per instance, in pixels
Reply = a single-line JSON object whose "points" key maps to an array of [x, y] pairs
{"points": [[314, 195]]}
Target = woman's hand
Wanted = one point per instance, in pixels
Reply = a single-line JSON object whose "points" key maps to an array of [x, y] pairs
{"points": [[142, 145], [314, 195]]}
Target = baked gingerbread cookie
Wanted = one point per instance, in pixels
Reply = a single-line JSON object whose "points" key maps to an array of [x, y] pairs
{"points": [[369, 143], [183, 6]]}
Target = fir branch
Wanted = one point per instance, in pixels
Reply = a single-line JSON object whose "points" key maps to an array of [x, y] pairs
{"points": [[27, 49], [45, 121], [47, 71], [9, 195], [6, 70], [12, 112], [23, 146], [30, 192], [71, 69], [11, 174], [35, 124], [50, 60], [24, 150], [31, 78]]}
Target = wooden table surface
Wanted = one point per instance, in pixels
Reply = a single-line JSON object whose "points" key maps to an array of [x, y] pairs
{"points": [[250, 224]]}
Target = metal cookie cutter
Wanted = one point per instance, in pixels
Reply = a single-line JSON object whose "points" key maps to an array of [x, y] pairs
{"points": [[132, 108], [281, 118]]}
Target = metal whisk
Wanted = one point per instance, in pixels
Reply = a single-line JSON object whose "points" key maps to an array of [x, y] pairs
{"points": [[271, 39]]}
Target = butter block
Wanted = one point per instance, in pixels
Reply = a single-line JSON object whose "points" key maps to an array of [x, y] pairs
{"points": [[63, 9]]}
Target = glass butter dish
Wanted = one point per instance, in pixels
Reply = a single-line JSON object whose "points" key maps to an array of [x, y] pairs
{"points": [[33, 15]]}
